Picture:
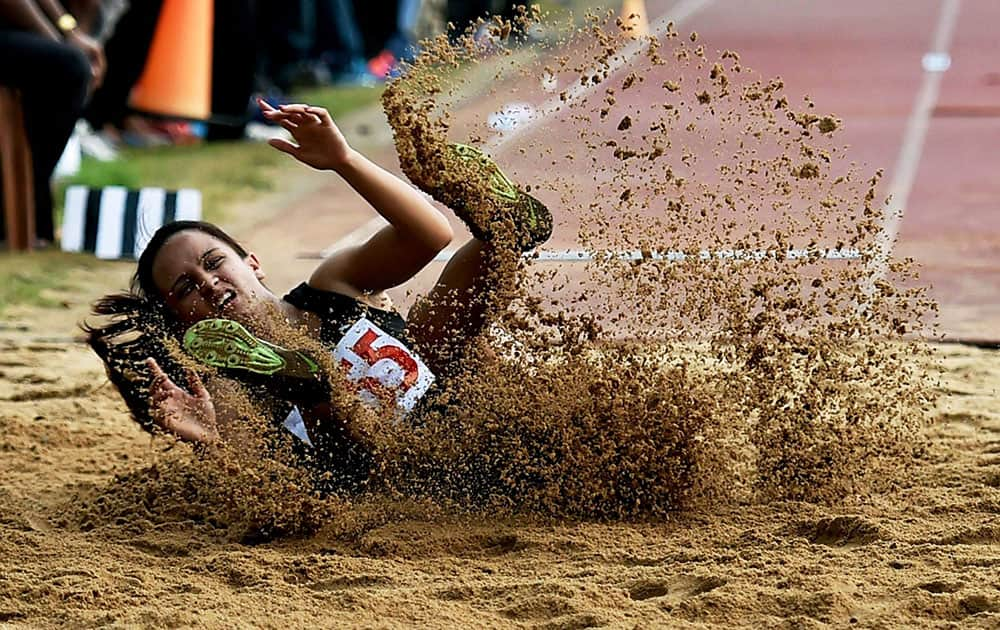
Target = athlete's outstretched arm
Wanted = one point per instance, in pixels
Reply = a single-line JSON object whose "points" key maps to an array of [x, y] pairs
{"points": [[417, 231]]}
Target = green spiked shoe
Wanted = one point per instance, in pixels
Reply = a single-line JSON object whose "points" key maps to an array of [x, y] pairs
{"points": [[226, 344], [505, 205]]}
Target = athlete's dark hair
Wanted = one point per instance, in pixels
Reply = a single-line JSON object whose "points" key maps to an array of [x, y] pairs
{"points": [[141, 324]]}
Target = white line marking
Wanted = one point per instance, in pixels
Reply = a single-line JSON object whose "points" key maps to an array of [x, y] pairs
{"points": [[680, 12], [357, 235], [905, 171], [582, 255]]}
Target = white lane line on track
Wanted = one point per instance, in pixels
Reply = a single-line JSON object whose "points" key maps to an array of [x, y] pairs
{"points": [[680, 12], [905, 170]]}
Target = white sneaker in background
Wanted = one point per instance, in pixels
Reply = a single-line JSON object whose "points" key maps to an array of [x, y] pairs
{"points": [[262, 133], [69, 162], [93, 144]]}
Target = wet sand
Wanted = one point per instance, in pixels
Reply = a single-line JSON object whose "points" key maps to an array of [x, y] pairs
{"points": [[924, 552]]}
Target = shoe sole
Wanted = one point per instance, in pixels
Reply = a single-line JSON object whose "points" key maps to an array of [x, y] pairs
{"points": [[525, 210], [223, 343]]}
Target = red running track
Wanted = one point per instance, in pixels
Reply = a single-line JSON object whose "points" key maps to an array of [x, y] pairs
{"points": [[862, 60]]}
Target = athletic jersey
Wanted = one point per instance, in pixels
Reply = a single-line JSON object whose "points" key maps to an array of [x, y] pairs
{"points": [[371, 346], [338, 313]]}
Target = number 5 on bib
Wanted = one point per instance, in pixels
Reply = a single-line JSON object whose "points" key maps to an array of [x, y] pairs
{"points": [[382, 367]]}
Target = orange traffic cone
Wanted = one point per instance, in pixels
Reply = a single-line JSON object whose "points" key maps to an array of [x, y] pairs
{"points": [[177, 80], [635, 18]]}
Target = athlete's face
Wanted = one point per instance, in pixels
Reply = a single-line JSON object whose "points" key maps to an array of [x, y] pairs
{"points": [[201, 277]]}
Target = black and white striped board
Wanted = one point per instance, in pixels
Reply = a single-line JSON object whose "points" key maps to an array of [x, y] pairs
{"points": [[115, 222]]}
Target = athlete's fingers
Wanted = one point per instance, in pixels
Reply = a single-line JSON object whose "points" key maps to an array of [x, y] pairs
{"points": [[302, 118], [164, 386], [304, 110], [158, 388], [265, 106], [197, 386], [280, 118], [321, 113], [153, 366], [157, 384], [284, 146], [159, 378], [156, 370], [276, 115], [312, 118], [157, 410], [290, 120]]}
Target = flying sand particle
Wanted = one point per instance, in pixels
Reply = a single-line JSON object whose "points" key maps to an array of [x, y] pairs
{"points": [[628, 387]]}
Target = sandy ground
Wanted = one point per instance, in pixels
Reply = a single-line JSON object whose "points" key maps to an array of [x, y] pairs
{"points": [[924, 553], [94, 531]]}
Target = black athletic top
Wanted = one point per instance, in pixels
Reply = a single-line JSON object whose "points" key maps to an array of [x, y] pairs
{"points": [[338, 313], [344, 463]]}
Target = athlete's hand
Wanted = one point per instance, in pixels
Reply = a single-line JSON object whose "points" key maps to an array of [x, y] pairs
{"points": [[320, 143], [189, 416]]}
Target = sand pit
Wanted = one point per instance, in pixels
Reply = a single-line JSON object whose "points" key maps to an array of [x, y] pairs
{"points": [[922, 552], [756, 441]]}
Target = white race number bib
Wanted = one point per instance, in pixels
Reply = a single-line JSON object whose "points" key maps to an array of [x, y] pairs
{"points": [[382, 368]]}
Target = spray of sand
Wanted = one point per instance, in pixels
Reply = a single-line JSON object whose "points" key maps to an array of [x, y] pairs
{"points": [[745, 347]]}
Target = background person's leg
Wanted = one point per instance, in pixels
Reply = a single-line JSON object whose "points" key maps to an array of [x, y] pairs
{"points": [[340, 42], [126, 51], [403, 40], [234, 62], [286, 31]]}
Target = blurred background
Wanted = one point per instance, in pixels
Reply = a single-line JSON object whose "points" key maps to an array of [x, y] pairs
{"points": [[160, 93], [112, 81]]}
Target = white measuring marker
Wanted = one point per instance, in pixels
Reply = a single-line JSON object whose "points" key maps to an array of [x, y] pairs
{"points": [[748, 255]]}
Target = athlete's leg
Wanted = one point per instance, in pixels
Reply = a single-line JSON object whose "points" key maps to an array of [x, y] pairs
{"points": [[478, 280], [473, 286]]}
